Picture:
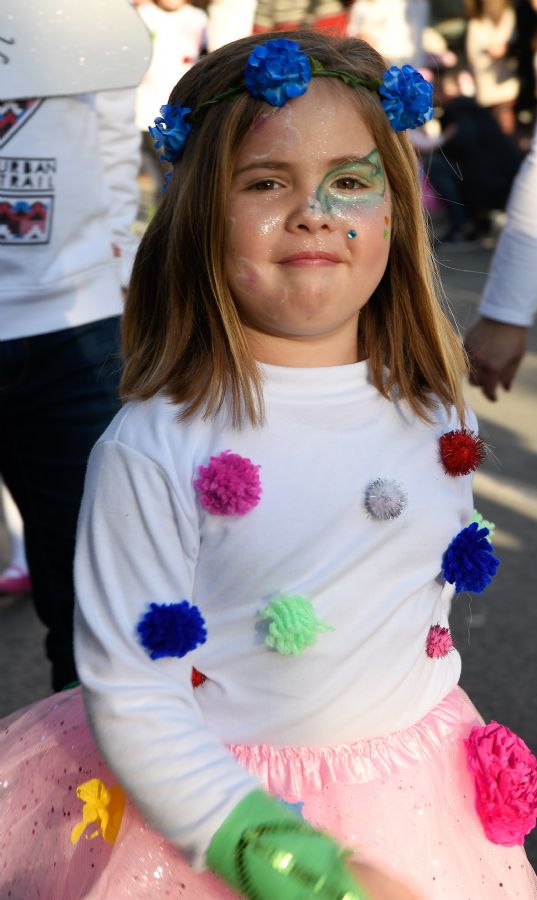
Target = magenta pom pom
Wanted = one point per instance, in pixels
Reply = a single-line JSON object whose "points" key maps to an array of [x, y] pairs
{"points": [[229, 485], [439, 642]]}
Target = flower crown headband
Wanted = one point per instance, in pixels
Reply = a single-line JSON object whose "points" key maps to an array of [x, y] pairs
{"points": [[279, 70]]}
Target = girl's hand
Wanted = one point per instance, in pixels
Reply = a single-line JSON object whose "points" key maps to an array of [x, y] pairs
{"points": [[379, 886]]}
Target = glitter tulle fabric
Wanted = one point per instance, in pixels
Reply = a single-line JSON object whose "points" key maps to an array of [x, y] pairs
{"points": [[404, 802]]}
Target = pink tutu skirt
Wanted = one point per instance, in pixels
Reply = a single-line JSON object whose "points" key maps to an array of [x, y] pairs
{"points": [[404, 802]]}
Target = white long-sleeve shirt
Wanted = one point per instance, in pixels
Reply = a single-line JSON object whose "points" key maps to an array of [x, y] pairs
{"points": [[510, 293], [68, 198], [145, 538]]}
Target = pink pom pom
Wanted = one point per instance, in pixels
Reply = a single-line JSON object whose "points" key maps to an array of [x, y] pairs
{"points": [[229, 485], [439, 642], [505, 775]]}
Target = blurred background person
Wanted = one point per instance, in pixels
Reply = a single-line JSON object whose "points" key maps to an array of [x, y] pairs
{"points": [[322, 15], [497, 342], [229, 20], [473, 164], [490, 39], [394, 27], [68, 198], [526, 56]]}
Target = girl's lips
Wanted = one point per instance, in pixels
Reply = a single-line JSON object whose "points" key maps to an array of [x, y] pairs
{"points": [[311, 258]]}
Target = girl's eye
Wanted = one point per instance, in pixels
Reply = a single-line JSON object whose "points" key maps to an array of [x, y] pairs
{"points": [[267, 184], [348, 183]]}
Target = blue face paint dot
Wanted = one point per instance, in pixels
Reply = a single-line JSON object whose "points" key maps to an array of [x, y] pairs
{"points": [[352, 234]]}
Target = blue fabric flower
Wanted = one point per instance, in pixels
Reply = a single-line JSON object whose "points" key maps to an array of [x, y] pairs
{"points": [[469, 562], [408, 98], [171, 629], [171, 130], [276, 71]]}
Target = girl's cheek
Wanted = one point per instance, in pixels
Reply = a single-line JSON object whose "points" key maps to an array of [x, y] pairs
{"points": [[268, 225], [245, 275], [364, 221]]}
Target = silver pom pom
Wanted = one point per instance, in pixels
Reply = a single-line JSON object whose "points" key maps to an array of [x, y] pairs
{"points": [[385, 498]]}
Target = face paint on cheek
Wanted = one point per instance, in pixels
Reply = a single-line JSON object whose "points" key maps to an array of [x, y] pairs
{"points": [[230, 226], [386, 226], [246, 275], [247, 278]]}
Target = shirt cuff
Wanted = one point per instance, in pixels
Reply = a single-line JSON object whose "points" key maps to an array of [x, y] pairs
{"points": [[264, 851]]}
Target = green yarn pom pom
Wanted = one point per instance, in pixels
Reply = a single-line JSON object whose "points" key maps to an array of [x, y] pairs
{"points": [[483, 523], [293, 624]]}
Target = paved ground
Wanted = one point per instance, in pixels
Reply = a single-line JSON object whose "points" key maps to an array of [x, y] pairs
{"points": [[496, 631]]}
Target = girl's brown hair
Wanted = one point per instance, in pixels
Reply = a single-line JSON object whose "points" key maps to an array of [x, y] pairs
{"points": [[181, 331]]}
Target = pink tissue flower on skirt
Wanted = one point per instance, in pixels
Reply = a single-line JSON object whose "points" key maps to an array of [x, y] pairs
{"points": [[505, 773]]}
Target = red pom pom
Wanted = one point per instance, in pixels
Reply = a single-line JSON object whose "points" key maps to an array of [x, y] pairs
{"points": [[197, 678], [461, 451]]}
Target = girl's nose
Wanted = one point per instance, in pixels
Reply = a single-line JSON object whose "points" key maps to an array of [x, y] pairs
{"points": [[310, 216]]}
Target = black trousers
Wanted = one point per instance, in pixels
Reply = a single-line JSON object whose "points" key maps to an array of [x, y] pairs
{"points": [[58, 392]]}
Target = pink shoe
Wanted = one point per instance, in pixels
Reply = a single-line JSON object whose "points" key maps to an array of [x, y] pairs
{"points": [[15, 580]]}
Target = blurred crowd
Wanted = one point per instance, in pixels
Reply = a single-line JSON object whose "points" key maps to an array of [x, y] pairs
{"points": [[480, 55]]}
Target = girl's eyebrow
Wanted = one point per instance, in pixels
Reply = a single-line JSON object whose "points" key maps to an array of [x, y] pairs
{"points": [[262, 164], [272, 164]]}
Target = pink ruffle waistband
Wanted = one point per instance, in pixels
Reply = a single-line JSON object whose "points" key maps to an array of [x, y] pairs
{"points": [[309, 768]]}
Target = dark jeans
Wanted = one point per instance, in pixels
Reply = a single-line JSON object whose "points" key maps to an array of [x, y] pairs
{"points": [[58, 392]]}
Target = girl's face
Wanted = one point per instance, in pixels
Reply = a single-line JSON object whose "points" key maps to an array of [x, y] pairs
{"points": [[308, 220]]}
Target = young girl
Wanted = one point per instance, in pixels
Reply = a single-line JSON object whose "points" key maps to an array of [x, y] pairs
{"points": [[273, 529]]}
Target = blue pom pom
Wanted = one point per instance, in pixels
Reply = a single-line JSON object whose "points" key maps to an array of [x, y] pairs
{"points": [[171, 629], [469, 562]]}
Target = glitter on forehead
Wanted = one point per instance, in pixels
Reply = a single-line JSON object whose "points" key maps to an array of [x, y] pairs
{"points": [[290, 137]]}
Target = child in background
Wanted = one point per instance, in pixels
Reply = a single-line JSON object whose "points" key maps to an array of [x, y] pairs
{"points": [[273, 530], [179, 34]]}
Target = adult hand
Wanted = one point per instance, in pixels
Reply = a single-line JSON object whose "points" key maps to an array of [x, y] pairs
{"points": [[379, 886], [495, 350]]}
